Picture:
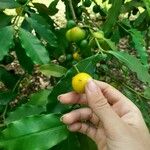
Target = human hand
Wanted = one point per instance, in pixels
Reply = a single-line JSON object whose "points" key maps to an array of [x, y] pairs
{"points": [[116, 123]]}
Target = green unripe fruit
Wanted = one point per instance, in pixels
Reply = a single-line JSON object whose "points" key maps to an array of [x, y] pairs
{"points": [[69, 57], [87, 3], [98, 34], [96, 9], [83, 44], [70, 24], [75, 34]]}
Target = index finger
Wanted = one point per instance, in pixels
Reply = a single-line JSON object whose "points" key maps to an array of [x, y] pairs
{"points": [[112, 94], [72, 98]]}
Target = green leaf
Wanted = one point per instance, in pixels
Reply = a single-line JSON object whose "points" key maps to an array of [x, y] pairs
{"points": [[147, 4], [36, 105], [39, 98], [134, 64], [4, 19], [24, 60], [6, 41], [147, 93], [111, 44], [41, 8], [141, 18], [64, 85], [9, 79], [139, 44], [8, 4], [52, 7], [86, 143], [52, 70], [71, 143], [76, 141], [63, 43], [112, 16], [44, 31], [34, 132], [129, 6], [24, 111], [33, 47], [6, 97]]}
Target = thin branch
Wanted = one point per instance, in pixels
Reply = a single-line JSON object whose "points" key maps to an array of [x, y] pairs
{"points": [[72, 10]]}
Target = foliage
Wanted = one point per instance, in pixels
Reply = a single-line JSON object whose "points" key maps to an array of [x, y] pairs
{"points": [[32, 37]]}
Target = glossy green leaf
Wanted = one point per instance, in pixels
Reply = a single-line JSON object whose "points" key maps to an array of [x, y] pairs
{"points": [[140, 19], [25, 61], [6, 41], [8, 78], [36, 105], [64, 85], [76, 141], [147, 4], [139, 44], [111, 44], [86, 143], [38, 132], [112, 15], [44, 31], [8, 4], [71, 143], [33, 47], [24, 111], [6, 97], [52, 70], [52, 7], [147, 92], [39, 98], [4, 19], [63, 43], [134, 64], [129, 6], [41, 8]]}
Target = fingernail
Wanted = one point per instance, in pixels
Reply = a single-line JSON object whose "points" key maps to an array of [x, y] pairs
{"points": [[92, 86], [59, 97], [61, 119]]}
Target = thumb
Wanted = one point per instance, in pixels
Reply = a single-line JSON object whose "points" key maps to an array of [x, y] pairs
{"points": [[100, 106]]}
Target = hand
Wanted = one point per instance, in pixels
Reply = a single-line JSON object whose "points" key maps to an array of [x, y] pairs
{"points": [[115, 122]]}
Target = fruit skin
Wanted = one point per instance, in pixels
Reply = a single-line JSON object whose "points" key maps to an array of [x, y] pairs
{"points": [[98, 34], [70, 24], [96, 9], [75, 34], [79, 82], [83, 44], [87, 3]]}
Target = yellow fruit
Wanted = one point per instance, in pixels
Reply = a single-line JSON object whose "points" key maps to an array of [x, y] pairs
{"points": [[76, 56], [75, 34], [79, 82]]}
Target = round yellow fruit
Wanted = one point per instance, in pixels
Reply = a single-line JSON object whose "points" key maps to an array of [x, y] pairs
{"points": [[79, 82], [75, 34]]}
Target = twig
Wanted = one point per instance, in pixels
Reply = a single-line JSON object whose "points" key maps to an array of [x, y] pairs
{"points": [[76, 68], [4, 113], [72, 10]]}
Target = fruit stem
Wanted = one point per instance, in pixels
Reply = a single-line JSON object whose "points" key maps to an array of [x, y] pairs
{"points": [[99, 47], [76, 68], [72, 10], [4, 113]]}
